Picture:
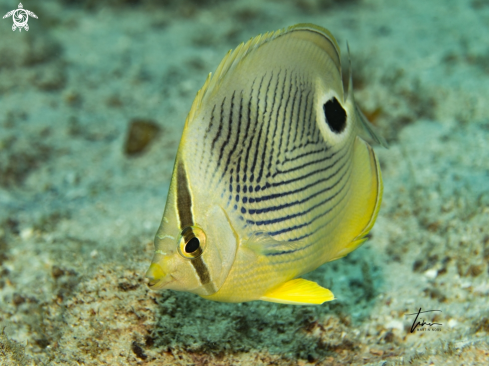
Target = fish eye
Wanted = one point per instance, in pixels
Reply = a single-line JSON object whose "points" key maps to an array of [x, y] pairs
{"points": [[192, 242], [192, 245], [335, 115]]}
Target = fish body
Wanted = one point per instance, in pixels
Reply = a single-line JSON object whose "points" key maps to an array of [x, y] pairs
{"points": [[272, 177]]}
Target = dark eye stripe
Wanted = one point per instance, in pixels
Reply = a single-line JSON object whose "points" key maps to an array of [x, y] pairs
{"points": [[184, 199], [184, 209], [201, 270]]}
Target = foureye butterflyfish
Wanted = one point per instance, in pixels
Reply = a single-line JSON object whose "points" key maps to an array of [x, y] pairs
{"points": [[273, 176]]}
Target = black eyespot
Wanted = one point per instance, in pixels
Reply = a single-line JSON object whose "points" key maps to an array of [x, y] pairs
{"points": [[192, 245], [335, 115]]}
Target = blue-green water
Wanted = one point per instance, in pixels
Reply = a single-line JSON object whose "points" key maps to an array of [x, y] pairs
{"points": [[80, 199]]}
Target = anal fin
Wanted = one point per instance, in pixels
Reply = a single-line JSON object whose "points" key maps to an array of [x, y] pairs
{"points": [[299, 292]]}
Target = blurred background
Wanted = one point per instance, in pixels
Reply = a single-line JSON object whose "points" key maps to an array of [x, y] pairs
{"points": [[93, 99]]}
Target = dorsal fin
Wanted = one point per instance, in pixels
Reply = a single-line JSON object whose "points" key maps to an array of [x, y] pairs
{"points": [[369, 130], [234, 57]]}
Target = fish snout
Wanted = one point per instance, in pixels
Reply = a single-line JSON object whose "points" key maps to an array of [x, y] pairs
{"points": [[155, 276]]}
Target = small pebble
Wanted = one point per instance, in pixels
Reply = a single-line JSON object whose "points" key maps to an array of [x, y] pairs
{"points": [[18, 299], [141, 133], [57, 272], [376, 352], [395, 324], [431, 274], [26, 233]]}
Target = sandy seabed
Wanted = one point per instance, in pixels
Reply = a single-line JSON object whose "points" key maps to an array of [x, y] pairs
{"points": [[80, 200]]}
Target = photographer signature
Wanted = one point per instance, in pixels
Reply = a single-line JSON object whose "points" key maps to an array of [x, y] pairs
{"points": [[422, 323]]}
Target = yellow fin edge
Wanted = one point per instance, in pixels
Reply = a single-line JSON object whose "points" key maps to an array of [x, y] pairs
{"points": [[299, 292], [234, 57], [360, 239], [380, 192]]}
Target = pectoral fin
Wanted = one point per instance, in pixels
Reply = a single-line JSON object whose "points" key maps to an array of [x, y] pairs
{"points": [[299, 292]]}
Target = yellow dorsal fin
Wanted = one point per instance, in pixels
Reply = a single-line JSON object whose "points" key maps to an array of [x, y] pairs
{"points": [[228, 63], [234, 57], [299, 292]]}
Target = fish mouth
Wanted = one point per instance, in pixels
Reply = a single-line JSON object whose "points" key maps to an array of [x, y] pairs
{"points": [[158, 284], [156, 278]]}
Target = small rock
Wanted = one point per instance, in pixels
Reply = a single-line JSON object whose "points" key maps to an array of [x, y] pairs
{"points": [[138, 351], [431, 274], [141, 133], [376, 352], [125, 286], [475, 270], [18, 299], [26, 233], [57, 272], [395, 324]]}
